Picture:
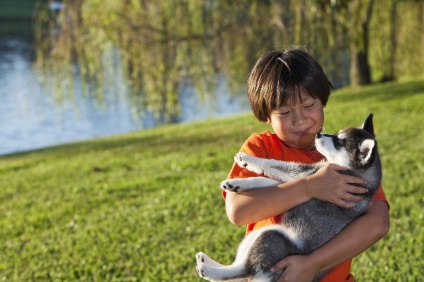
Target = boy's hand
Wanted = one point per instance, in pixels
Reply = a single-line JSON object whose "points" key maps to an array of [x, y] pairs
{"points": [[297, 268], [331, 186]]}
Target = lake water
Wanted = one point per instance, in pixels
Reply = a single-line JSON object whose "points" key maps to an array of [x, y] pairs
{"points": [[31, 119]]}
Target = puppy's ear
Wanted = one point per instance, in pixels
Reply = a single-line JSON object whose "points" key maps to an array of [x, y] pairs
{"points": [[368, 124], [366, 148]]}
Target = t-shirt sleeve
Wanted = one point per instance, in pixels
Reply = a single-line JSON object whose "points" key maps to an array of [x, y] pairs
{"points": [[380, 196]]}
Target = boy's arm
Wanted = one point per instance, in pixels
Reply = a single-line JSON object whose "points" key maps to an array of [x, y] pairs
{"points": [[358, 236], [259, 204]]}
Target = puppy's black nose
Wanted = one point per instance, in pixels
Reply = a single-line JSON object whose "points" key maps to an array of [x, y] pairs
{"points": [[318, 135]]}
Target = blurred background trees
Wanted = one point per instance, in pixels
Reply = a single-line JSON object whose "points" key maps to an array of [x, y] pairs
{"points": [[160, 46]]}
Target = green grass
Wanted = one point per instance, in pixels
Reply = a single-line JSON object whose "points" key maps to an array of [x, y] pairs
{"points": [[137, 207]]}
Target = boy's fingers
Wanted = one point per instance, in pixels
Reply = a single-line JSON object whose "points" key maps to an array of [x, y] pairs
{"points": [[279, 265], [336, 167], [357, 190], [351, 179], [356, 182], [342, 203], [353, 198]]}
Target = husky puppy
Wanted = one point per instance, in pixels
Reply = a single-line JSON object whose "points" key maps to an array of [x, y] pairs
{"points": [[307, 226]]}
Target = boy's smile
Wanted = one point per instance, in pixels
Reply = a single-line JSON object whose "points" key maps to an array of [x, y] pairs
{"points": [[296, 124], [302, 132]]}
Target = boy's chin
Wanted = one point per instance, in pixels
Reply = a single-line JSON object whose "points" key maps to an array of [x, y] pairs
{"points": [[307, 142]]}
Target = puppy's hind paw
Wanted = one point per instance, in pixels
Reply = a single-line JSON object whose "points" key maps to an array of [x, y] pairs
{"points": [[199, 263], [204, 271], [200, 257], [200, 271]]}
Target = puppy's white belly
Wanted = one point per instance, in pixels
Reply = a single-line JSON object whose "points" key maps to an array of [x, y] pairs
{"points": [[248, 241]]}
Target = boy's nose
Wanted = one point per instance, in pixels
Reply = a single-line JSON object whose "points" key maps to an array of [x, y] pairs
{"points": [[298, 117]]}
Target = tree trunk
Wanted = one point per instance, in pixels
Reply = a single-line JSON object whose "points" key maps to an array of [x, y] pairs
{"points": [[390, 74], [360, 68]]}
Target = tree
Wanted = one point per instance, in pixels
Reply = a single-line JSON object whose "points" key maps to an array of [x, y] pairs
{"points": [[390, 75], [360, 12], [160, 46]]}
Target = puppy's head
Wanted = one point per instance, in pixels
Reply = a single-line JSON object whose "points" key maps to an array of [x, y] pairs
{"points": [[352, 148]]}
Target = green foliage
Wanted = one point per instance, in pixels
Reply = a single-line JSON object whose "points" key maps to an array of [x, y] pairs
{"points": [[137, 207], [156, 48]]}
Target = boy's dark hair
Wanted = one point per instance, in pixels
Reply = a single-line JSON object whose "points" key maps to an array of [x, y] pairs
{"points": [[281, 77]]}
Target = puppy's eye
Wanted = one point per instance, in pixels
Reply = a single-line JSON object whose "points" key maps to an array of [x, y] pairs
{"points": [[338, 141]]}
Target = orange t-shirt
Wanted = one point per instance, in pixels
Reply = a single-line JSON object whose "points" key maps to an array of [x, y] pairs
{"points": [[268, 145]]}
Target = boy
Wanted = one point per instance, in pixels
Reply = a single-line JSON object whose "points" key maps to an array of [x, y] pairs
{"points": [[289, 90]]}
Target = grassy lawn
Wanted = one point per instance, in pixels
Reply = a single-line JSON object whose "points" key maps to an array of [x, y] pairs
{"points": [[137, 207]]}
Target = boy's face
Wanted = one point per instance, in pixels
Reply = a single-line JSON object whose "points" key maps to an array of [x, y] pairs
{"points": [[296, 124]]}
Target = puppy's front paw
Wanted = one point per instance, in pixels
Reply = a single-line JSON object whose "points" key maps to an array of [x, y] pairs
{"points": [[240, 159], [233, 185], [237, 185], [228, 185], [249, 162]]}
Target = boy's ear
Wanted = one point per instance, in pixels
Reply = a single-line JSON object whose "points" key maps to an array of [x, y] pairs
{"points": [[366, 148], [368, 124]]}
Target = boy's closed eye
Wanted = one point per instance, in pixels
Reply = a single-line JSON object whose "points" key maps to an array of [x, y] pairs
{"points": [[283, 113], [309, 102], [310, 105]]}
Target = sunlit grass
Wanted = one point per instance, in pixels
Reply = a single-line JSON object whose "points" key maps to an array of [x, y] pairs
{"points": [[137, 207]]}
